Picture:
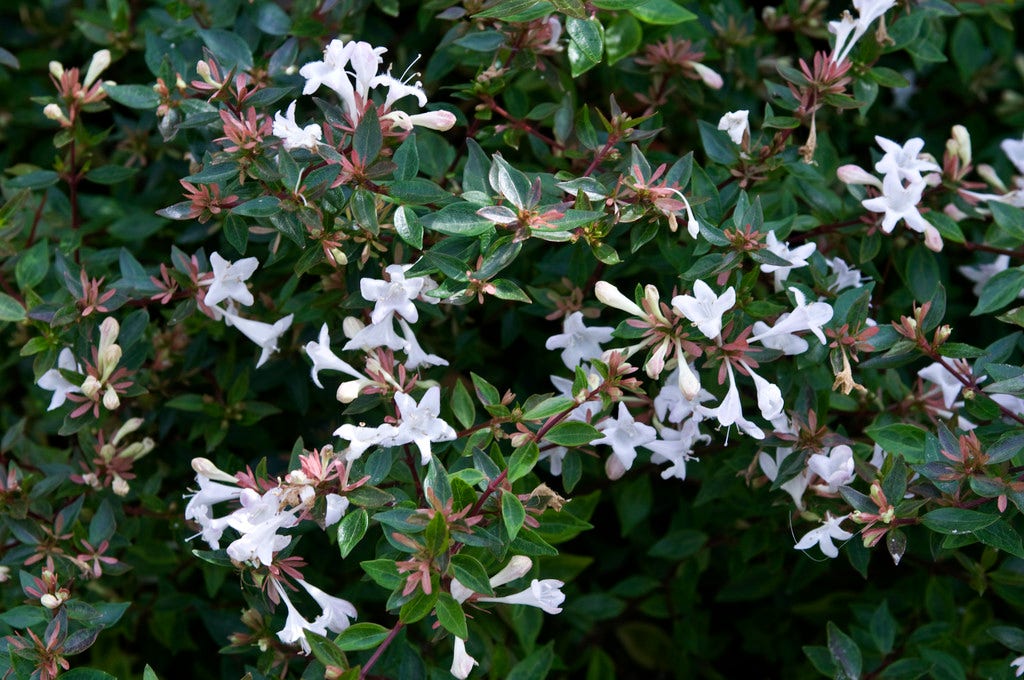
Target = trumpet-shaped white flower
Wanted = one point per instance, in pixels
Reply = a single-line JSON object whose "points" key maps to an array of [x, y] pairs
{"points": [[672, 406], [579, 342], [228, 282], [53, 381], [337, 613], [1014, 150], [938, 375], [736, 125], [419, 424], [417, 356], [611, 296], [361, 438], [824, 535], [729, 411], [704, 308], [462, 662], [981, 273], [805, 317], [904, 161], [676, 447], [263, 334], [394, 296], [769, 396], [258, 521], [835, 469], [440, 119], [365, 61], [292, 136], [545, 594], [295, 625], [899, 202], [846, 276], [797, 257], [1018, 663], [326, 360], [796, 486], [624, 434]]}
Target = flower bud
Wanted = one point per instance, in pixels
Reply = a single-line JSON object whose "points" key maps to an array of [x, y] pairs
{"points": [[107, 452], [710, 77], [5, 573], [988, 173], [91, 387], [963, 141], [349, 390], [854, 174], [100, 62], [611, 296], [120, 486], [129, 426], [54, 112], [49, 601], [110, 399], [204, 467], [56, 69], [108, 359], [517, 567], [108, 333], [203, 69], [952, 211], [337, 256], [351, 326]]}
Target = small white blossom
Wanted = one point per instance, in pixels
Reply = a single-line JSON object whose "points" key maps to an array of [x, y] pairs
{"points": [[613, 297], [899, 202], [624, 434], [835, 469], [53, 381], [545, 594], [1018, 663], [981, 273], [797, 257], [336, 611], [672, 406], [846, 276], [292, 136], [904, 161], [419, 424], [416, 355], [228, 282], [326, 360], [462, 662], [736, 125], [823, 536], [948, 383], [394, 296], [704, 308], [440, 119], [579, 342], [1014, 150], [263, 334], [804, 317], [295, 625]]}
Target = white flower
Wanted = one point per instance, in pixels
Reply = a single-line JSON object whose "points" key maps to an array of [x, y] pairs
{"points": [[730, 411], [671, 404], [361, 438], [258, 521], [736, 125], [981, 273], [676, 447], [843, 30], [899, 202], [580, 343], [364, 59], [336, 611], [295, 625], [797, 257], [805, 317], [228, 281], [97, 65], [854, 174], [263, 334], [846, 276], [904, 161], [440, 119], [419, 423], [769, 396], [937, 374], [1014, 150], [795, 486], [611, 296], [624, 434], [710, 77], [416, 355], [706, 309], [849, 31], [462, 662], [336, 507], [53, 381], [377, 335], [835, 469], [823, 535], [292, 136], [394, 296], [326, 360], [1018, 663], [545, 594], [398, 89]]}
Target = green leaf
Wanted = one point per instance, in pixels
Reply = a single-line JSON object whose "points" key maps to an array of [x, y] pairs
{"points": [[957, 521], [110, 174], [462, 405], [458, 219], [419, 606], [383, 572], [999, 291], [845, 652], [482, 41], [360, 636], [717, 144], [1008, 218], [37, 179], [451, 616], [588, 35], [550, 407], [32, 265], [1009, 636], [512, 513], [264, 206], [231, 51], [368, 138], [571, 8], [622, 38], [86, 674], [471, 573], [324, 649], [662, 13], [900, 438], [535, 666], [1001, 536], [351, 530], [148, 673], [10, 309], [133, 96], [436, 535], [516, 10], [522, 461], [572, 434]]}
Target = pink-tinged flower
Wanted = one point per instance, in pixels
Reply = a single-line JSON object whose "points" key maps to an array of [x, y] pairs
{"points": [[611, 296], [326, 360], [706, 309], [823, 536], [439, 120], [854, 174], [835, 469], [579, 342], [228, 282], [545, 594], [624, 434], [53, 381], [462, 662], [292, 136]]}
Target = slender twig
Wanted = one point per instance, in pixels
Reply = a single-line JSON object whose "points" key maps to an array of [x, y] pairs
{"points": [[380, 650], [415, 473]]}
